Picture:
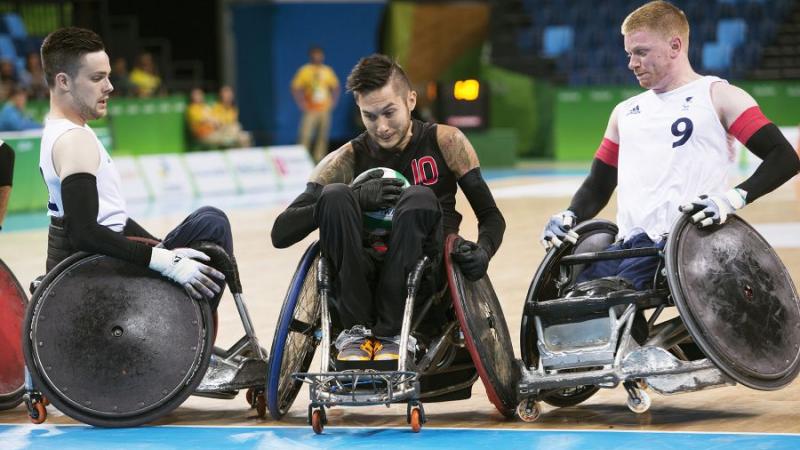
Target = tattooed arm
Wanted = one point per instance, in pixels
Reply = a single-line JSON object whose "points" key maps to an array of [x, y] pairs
{"points": [[458, 152], [297, 221], [337, 167], [463, 162]]}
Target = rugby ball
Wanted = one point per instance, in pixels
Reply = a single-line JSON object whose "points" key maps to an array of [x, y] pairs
{"points": [[379, 223]]}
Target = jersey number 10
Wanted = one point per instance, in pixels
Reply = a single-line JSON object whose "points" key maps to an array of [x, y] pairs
{"points": [[425, 171]]}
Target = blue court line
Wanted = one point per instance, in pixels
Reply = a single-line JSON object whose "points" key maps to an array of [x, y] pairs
{"points": [[16, 437]]}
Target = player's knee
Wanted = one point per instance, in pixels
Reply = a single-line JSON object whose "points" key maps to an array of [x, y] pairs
{"points": [[416, 198], [214, 217], [336, 195]]}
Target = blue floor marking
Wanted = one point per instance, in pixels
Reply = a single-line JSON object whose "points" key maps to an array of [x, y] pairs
{"points": [[15, 437]]}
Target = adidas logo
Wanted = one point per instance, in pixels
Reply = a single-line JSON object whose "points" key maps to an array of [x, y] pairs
{"points": [[634, 110], [686, 103]]}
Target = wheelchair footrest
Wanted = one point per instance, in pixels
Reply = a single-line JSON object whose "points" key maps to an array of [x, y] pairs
{"points": [[361, 387], [224, 376], [569, 308], [665, 373]]}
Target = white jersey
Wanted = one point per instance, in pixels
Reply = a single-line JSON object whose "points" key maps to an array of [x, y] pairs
{"points": [[112, 209], [672, 148]]}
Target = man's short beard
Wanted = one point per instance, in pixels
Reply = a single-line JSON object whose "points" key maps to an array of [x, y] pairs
{"points": [[86, 111]]}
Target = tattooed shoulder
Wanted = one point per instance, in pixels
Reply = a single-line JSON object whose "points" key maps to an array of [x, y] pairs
{"points": [[456, 149], [337, 167]]}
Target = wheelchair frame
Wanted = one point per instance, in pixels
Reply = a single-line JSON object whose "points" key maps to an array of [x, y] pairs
{"points": [[553, 370], [224, 371], [300, 328], [363, 387]]}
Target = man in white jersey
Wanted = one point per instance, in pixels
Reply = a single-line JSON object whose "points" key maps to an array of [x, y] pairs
{"points": [[669, 149], [86, 206]]}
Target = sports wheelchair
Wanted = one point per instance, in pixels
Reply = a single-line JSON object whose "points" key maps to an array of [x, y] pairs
{"points": [[115, 345], [460, 334], [12, 364], [738, 319]]}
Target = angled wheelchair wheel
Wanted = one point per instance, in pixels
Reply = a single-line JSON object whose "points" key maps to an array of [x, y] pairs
{"points": [[112, 344], [737, 300], [485, 333], [593, 235], [295, 336], [12, 363]]}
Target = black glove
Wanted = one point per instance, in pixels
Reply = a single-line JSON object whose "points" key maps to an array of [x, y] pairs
{"points": [[471, 258], [374, 193]]}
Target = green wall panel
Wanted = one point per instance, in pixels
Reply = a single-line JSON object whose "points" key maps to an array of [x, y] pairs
{"points": [[581, 114], [521, 103], [29, 192]]}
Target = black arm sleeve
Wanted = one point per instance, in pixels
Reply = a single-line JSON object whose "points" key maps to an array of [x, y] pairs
{"points": [[6, 165], [297, 221], [595, 192], [132, 228], [79, 196], [780, 162], [491, 224]]}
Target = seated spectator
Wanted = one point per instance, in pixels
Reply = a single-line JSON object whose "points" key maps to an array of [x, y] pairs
{"points": [[120, 79], [200, 118], [33, 79], [12, 115], [144, 76], [229, 131], [8, 78]]}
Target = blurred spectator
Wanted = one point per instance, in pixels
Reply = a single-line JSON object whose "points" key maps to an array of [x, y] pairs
{"points": [[8, 78], [12, 115], [315, 88], [120, 79], [200, 118], [229, 131], [33, 79], [216, 126], [144, 76]]}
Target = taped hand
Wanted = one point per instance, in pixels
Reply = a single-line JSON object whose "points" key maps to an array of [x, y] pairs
{"points": [[559, 229]]}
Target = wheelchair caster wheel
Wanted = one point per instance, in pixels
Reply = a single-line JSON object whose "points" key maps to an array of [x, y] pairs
{"points": [[416, 420], [415, 416], [529, 410], [317, 421], [261, 405], [641, 404], [38, 413], [249, 397], [258, 401]]}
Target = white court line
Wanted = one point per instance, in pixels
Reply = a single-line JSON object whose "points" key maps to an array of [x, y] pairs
{"points": [[560, 188], [779, 235]]}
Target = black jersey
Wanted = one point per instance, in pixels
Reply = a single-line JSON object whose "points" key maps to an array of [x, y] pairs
{"points": [[421, 162]]}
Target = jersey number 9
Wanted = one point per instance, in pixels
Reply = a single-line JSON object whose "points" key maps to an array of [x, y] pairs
{"points": [[683, 132]]}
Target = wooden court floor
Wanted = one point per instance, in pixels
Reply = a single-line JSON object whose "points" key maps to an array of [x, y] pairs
{"points": [[266, 271]]}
